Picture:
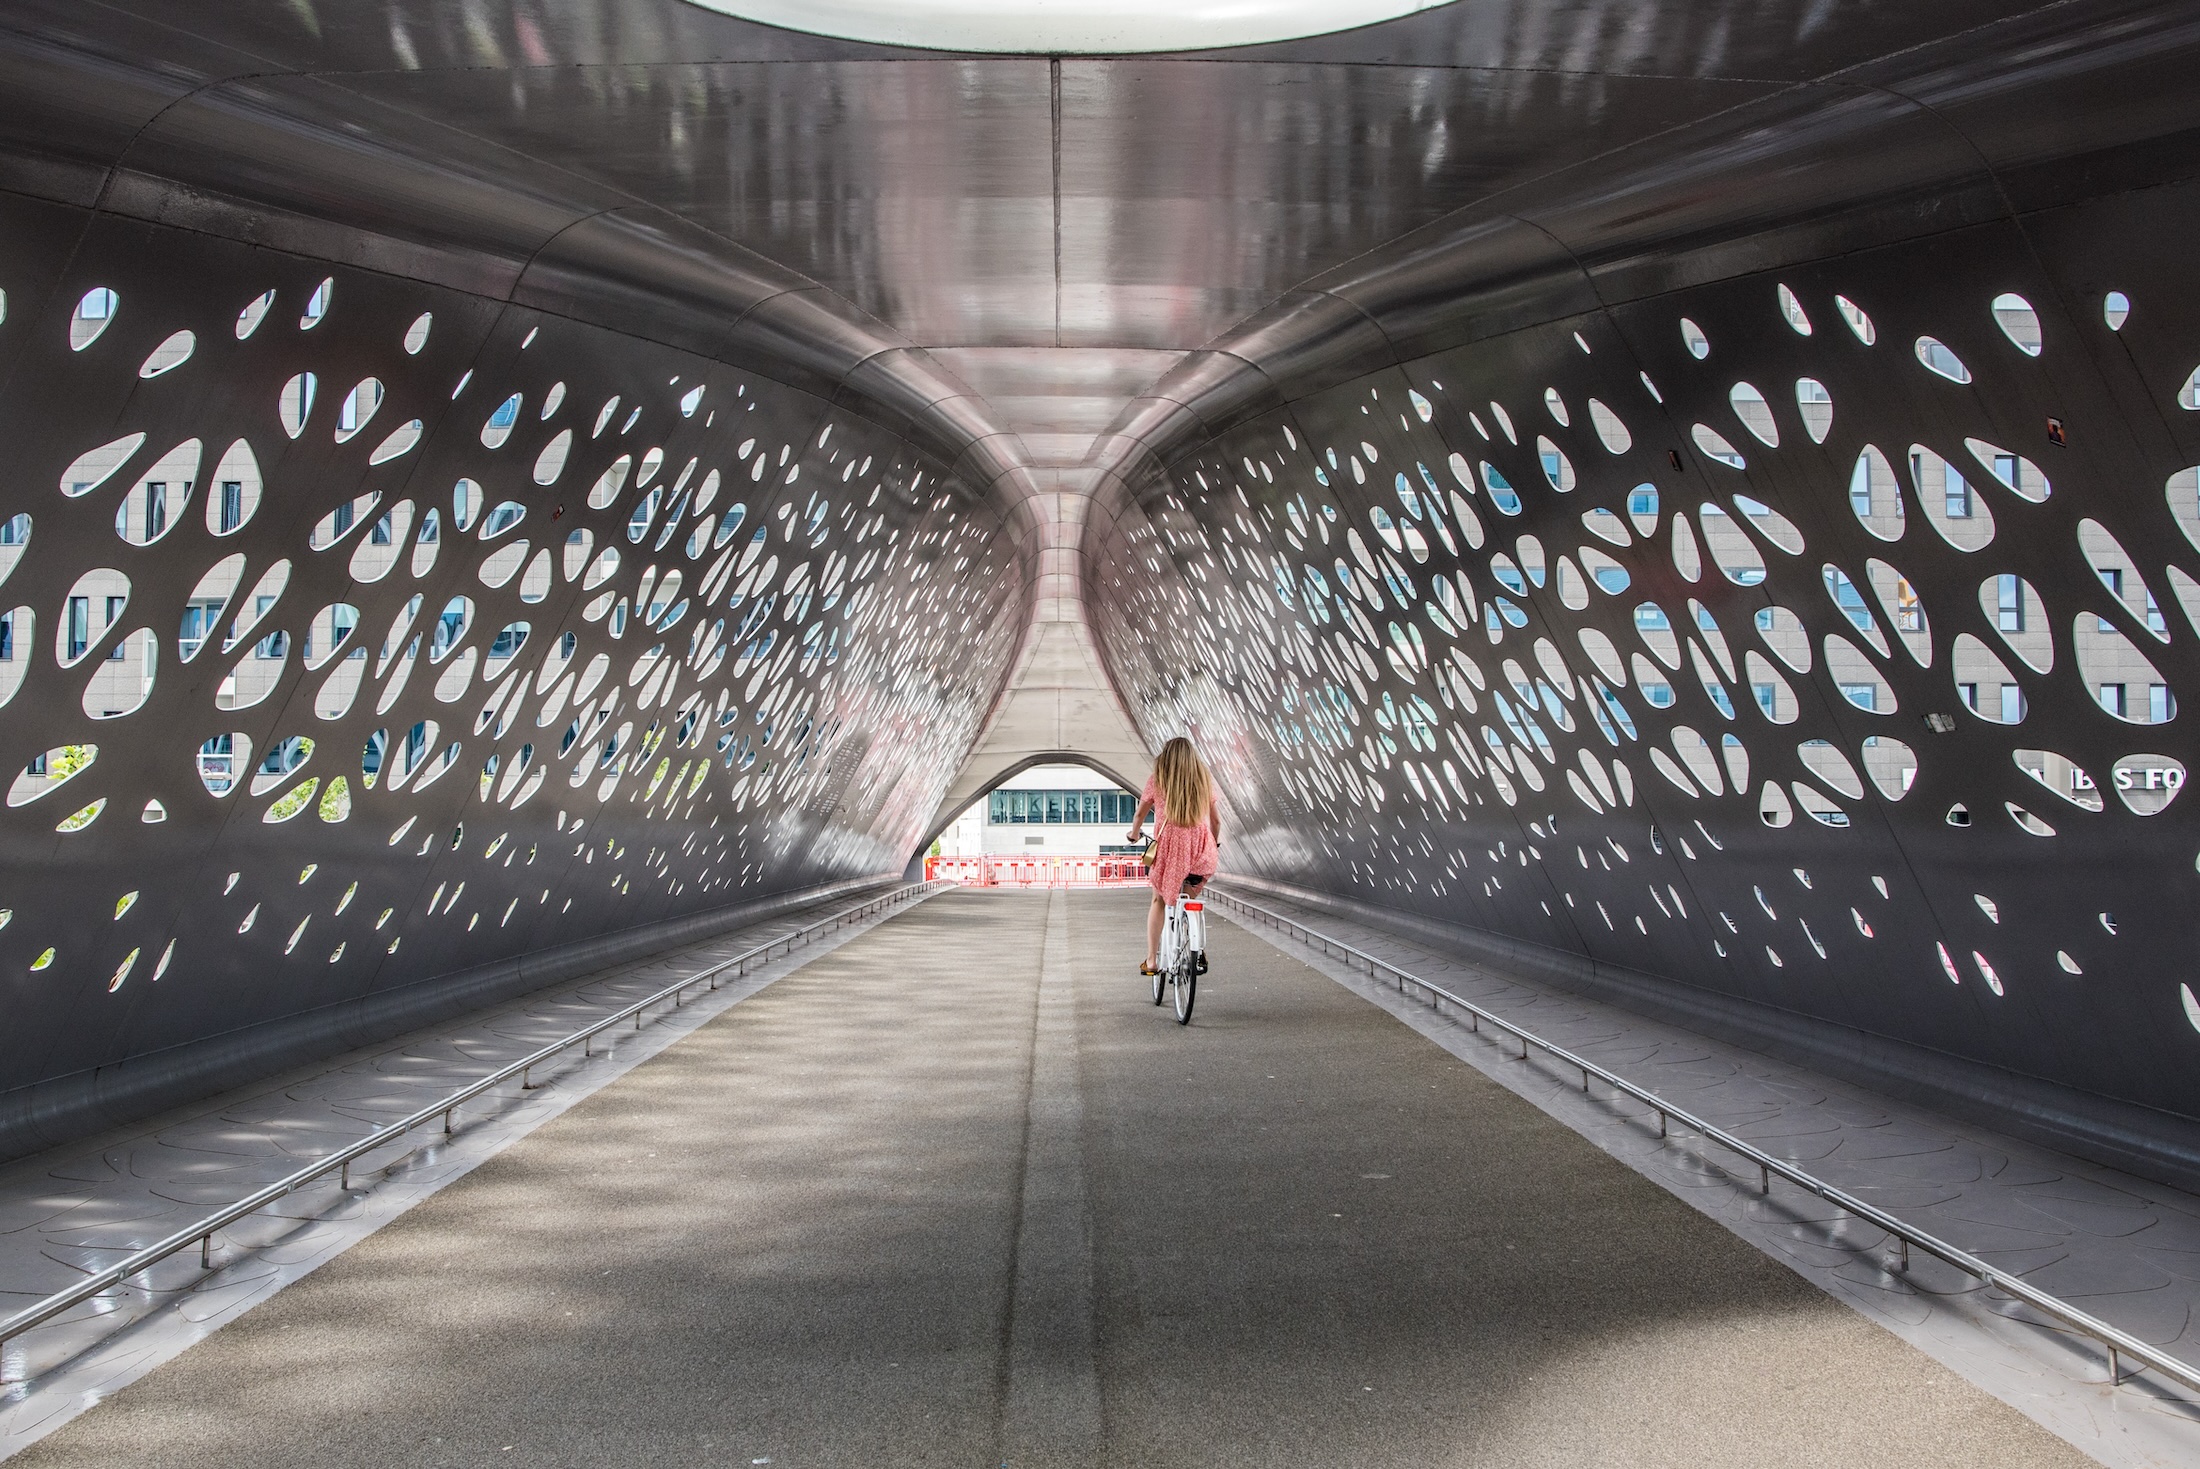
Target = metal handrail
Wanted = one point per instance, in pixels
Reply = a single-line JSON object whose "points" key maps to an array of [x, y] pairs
{"points": [[202, 1232], [2120, 1344]]}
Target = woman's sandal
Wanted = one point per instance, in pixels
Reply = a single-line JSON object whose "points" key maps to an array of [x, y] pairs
{"points": [[1147, 969]]}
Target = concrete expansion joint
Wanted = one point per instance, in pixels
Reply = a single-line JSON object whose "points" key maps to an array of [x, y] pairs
{"points": [[1051, 1399]]}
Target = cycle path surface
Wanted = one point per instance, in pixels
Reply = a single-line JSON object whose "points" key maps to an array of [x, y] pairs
{"points": [[957, 1193]]}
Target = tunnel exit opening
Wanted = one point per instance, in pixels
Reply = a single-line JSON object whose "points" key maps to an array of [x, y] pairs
{"points": [[1050, 825]]}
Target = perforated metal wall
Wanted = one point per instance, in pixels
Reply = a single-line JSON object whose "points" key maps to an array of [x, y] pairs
{"points": [[366, 631], [1823, 637]]}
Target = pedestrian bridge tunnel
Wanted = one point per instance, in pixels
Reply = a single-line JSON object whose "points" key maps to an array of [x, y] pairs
{"points": [[1701, 506]]}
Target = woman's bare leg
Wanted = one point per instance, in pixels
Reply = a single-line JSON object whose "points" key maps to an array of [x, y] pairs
{"points": [[1154, 915]]}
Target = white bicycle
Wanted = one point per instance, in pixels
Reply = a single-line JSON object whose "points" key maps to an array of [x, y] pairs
{"points": [[1183, 955]]}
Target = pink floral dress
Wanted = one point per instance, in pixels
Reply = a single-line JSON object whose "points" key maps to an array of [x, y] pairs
{"points": [[1178, 850]]}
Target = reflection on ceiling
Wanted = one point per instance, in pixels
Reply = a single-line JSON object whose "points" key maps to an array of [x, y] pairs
{"points": [[1069, 27]]}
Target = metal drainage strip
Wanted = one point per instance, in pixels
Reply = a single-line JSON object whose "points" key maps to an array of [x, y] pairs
{"points": [[2123, 1348], [202, 1232]]}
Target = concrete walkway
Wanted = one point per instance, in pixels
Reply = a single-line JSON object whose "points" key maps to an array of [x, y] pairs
{"points": [[955, 1194]]}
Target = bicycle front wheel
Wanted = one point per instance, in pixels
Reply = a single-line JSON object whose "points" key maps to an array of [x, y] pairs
{"points": [[1160, 983], [1184, 985]]}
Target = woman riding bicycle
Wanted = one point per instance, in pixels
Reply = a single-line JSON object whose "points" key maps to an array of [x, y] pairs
{"points": [[1187, 833]]}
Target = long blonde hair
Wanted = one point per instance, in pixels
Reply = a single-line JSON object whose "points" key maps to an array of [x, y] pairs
{"points": [[1187, 790]]}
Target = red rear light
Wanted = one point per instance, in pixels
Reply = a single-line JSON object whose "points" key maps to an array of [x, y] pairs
{"points": [[1195, 907]]}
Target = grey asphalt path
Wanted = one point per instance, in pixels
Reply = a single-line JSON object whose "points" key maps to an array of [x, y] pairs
{"points": [[956, 1195]]}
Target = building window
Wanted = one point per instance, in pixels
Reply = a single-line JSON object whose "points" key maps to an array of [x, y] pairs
{"points": [[1059, 808], [198, 625], [2155, 624], [2114, 578], [80, 626], [1957, 493], [1863, 695], [1650, 615], [2008, 603], [447, 629], [1848, 599], [1860, 488], [15, 531], [2112, 698], [275, 644], [232, 507], [1968, 693], [1767, 697], [2012, 703], [283, 756], [7, 638], [156, 508], [1660, 695], [215, 767], [2161, 703], [380, 535], [114, 615], [1643, 501], [2005, 470], [341, 521]]}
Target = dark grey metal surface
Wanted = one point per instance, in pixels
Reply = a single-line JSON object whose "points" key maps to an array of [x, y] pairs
{"points": [[2066, 955], [1028, 279], [836, 654]]}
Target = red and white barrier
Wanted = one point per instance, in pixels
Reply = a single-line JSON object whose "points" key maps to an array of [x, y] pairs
{"points": [[1036, 872]]}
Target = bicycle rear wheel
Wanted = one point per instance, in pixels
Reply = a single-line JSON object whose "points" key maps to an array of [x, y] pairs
{"points": [[1184, 985], [1160, 982]]}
